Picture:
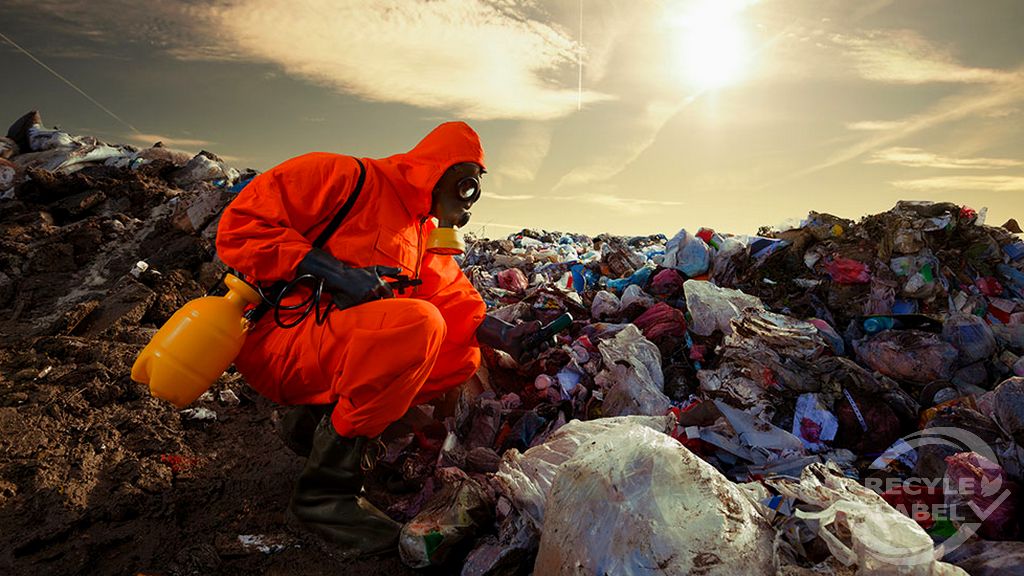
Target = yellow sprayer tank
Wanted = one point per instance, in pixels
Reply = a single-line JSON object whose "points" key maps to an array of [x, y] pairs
{"points": [[196, 346]]}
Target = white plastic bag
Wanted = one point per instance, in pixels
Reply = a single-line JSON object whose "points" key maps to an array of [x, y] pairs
{"points": [[711, 308], [634, 294], [687, 253], [635, 502], [881, 539], [525, 478], [632, 380], [605, 305]]}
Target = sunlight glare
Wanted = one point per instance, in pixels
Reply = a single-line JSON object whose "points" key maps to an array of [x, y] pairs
{"points": [[712, 46]]}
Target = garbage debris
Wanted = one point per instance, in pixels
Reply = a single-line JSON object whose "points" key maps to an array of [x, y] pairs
{"points": [[1008, 408], [452, 517], [984, 558], [983, 496], [810, 352], [264, 544]]}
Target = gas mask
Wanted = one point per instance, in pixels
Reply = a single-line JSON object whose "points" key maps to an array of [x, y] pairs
{"points": [[451, 207]]}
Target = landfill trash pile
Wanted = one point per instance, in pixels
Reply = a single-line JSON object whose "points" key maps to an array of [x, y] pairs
{"points": [[719, 398]]}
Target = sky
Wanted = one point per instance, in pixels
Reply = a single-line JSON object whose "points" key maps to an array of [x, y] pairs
{"points": [[624, 116]]}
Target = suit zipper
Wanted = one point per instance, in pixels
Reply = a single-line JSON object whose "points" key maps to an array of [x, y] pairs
{"points": [[419, 257]]}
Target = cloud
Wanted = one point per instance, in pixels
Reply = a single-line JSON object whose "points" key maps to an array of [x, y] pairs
{"points": [[482, 228], [917, 158], [627, 147], [905, 57], [874, 125], [977, 102], [491, 196], [632, 205], [150, 139], [482, 60], [523, 152], [963, 183]]}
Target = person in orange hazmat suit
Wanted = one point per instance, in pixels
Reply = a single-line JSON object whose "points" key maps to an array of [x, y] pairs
{"points": [[362, 365]]}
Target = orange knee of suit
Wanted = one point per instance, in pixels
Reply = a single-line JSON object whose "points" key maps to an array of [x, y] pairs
{"points": [[374, 360]]}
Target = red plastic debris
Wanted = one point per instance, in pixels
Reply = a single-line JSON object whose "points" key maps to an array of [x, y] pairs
{"points": [[661, 320], [989, 286], [847, 271], [513, 280], [178, 462], [916, 501]]}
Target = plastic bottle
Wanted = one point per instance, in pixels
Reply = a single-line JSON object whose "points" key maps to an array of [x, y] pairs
{"points": [[194, 347], [878, 323], [875, 324]]}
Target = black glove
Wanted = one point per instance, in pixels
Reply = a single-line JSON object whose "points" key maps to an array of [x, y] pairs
{"points": [[347, 286], [512, 339]]}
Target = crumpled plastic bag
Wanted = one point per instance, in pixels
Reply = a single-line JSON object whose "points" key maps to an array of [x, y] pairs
{"points": [[908, 355], [632, 379], [687, 253], [847, 271], [453, 515], [513, 279], [860, 528], [971, 336], [525, 478], [813, 423], [634, 295], [635, 502], [605, 305], [9, 176], [204, 167], [1008, 408], [711, 308], [1010, 335], [979, 493]]}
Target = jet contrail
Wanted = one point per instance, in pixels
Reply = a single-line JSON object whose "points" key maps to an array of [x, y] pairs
{"points": [[68, 82], [579, 97]]}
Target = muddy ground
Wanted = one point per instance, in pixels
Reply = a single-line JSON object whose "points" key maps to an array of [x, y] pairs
{"points": [[96, 476]]}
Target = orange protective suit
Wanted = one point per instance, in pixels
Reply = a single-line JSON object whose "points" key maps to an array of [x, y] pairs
{"points": [[376, 359]]}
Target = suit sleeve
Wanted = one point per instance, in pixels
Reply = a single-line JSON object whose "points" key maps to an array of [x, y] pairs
{"points": [[270, 226]]}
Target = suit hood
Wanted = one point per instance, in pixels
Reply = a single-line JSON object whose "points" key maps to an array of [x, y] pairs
{"points": [[449, 144]]}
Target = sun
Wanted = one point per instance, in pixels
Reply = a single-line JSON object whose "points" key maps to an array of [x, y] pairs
{"points": [[711, 44]]}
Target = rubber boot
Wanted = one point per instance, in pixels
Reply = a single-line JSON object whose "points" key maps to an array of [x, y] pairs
{"points": [[298, 424], [327, 500]]}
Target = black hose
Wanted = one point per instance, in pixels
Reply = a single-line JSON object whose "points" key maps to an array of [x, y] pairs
{"points": [[310, 304]]}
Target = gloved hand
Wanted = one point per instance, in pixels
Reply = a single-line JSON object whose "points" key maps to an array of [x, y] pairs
{"points": [[347, 286], [513, 339]]}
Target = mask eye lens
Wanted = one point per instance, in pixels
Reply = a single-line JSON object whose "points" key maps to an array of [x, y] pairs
{"points": [[469, 189]]}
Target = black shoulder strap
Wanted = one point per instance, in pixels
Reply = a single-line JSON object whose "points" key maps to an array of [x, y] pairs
{"points": [[345, 209], [275, 290]]}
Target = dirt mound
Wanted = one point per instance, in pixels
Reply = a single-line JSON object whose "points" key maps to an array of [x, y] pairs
{"points": [[97, 476]]}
